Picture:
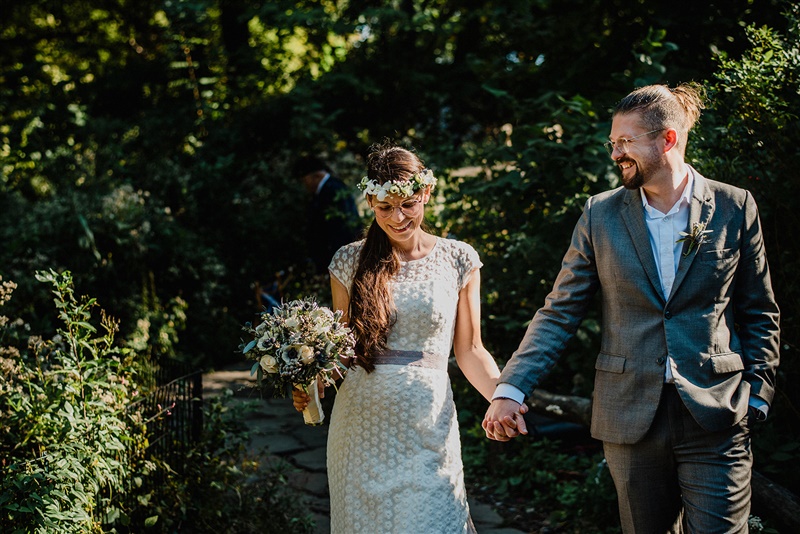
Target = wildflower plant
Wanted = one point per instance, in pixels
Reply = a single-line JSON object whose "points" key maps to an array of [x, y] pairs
{"points": [[65, 436]]}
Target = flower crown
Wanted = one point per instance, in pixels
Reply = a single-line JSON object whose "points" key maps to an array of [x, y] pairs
{"points": [[401, 188]]}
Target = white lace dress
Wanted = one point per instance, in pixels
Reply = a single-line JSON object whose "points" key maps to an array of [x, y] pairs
{"points": [[394, 453]]}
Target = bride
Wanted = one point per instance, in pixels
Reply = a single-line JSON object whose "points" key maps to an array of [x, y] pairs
{"points": [[394, 453]]}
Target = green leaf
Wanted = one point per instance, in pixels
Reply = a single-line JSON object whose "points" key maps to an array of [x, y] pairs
{"points": [[151, 521], [495, 92], [249, 346], [86, 325], [112, 515]]}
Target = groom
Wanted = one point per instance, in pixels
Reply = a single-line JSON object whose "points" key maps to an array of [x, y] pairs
{"points": [[690, 326]]}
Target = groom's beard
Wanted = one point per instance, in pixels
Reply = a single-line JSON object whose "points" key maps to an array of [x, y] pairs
{"points": [[633, 182]]}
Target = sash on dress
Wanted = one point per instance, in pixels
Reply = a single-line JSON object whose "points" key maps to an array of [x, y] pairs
{"points": [[413, 358]]}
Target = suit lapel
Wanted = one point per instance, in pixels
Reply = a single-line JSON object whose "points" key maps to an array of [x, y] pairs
{"points": [[700, 210], [633, 216]]}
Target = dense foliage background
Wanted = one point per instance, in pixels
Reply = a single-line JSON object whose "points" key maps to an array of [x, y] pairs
{"points": [[145, 147]]}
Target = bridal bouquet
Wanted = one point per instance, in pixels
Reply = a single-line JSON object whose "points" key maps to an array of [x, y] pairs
{"points": [[297, 344]]}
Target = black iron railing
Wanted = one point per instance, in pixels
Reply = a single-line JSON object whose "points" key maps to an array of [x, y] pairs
{"points": [[173, 413]]}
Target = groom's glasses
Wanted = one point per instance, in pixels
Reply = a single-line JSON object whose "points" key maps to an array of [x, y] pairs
{"points": [[409, 208], [623, 145]]}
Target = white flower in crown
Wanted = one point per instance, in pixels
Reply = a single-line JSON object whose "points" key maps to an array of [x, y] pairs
{"points": [[401, 188]]}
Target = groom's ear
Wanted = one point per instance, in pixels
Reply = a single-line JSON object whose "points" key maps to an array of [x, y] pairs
{"points": [[670, 138]]}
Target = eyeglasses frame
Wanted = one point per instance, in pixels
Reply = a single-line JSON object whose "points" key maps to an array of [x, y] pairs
{"points": [[411, 213], [612, 145]]}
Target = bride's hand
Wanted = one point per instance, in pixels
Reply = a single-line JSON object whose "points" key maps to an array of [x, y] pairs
{"points": [[300, 399]]}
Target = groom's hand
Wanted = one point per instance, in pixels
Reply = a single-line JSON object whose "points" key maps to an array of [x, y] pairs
{"points": [[504, 420]]}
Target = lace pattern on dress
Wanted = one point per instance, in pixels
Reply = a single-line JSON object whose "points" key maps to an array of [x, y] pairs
{"points": [[457, 254]]}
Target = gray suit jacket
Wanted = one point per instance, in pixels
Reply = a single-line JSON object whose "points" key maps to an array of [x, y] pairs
{"points": [[719, 325]]}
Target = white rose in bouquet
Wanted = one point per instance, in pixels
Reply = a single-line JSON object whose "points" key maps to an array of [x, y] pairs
{"points": [[269, 364], [292, 354], [306, 354]]}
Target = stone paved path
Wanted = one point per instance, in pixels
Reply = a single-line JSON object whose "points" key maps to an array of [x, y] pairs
{"points": [[279, 430]]}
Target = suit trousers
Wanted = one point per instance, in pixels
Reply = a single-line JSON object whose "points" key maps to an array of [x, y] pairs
{"points": [[682, 478]]}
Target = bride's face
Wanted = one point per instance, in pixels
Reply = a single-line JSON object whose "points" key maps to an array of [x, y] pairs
{"points": [[400, 217]]}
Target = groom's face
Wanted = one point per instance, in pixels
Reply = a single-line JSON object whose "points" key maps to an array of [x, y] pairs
{"points": [[636, 160]]}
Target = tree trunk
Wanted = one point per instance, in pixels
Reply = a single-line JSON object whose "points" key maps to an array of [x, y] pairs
{"points": [[561, 407]]}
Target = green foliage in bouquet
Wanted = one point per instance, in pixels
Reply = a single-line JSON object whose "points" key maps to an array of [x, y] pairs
{"points": [[299, 341]]}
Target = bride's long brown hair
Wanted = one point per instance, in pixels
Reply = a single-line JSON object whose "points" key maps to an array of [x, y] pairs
{"points": [[372, 312]]}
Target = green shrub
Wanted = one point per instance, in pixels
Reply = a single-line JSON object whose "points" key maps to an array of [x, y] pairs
{"points": [[65, 436], [565, 488], [74, 447], [750, 138]]}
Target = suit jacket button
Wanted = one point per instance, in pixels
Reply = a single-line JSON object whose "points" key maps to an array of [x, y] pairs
{"points": [[661, 360], [668, 314]]}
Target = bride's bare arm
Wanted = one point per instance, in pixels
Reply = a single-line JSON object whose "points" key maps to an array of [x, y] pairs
{"points": [[473, 359], [341, 300]]}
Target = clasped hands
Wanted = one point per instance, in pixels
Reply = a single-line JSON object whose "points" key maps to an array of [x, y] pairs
{"points": [[504, 420]]}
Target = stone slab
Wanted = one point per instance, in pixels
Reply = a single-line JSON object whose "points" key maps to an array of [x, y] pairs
{"points": [[311, 460]]}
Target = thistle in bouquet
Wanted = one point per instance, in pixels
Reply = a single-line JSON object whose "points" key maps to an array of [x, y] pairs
{"points": [[297, 344]]}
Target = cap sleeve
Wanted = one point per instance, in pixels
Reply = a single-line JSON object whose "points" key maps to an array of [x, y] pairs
{"points": [[468, 261], [343, 263]]}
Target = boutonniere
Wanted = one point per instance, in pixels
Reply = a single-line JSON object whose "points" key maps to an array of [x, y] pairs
{"points": [[696, 237]]}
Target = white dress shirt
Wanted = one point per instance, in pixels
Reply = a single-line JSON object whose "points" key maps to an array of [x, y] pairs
{"points": [[665, 231]]}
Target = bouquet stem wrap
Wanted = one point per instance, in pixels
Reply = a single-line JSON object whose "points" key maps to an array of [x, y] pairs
{"points": [[313, 414]]}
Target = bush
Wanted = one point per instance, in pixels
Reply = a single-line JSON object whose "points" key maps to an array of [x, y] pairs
{"points": [[74, 447], [750, 138], [65, 438]]}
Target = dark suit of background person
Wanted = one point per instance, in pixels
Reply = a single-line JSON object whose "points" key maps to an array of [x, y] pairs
{"points": [[681, 373], [333, 219]]}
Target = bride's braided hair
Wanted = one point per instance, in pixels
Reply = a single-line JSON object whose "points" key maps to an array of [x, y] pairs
{"points": [[372, 311]]}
